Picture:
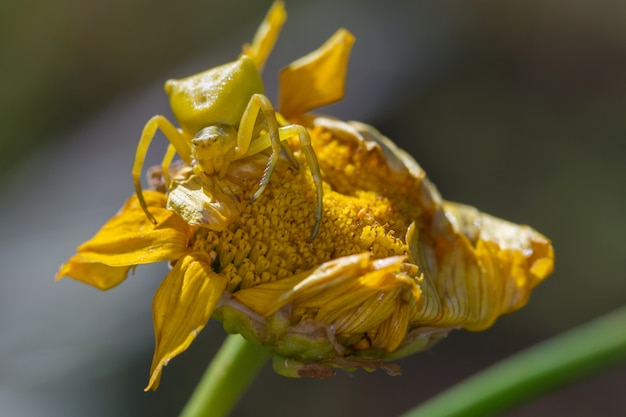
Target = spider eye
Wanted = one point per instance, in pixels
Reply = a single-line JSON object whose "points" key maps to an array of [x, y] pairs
{"points": [[205, 137], [223, 137]]}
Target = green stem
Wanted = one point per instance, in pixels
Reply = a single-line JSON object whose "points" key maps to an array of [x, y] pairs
{"points": [[556, 362], [229, 375]]}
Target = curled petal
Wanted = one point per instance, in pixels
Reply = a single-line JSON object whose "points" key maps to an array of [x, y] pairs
{"points": [[181, 308], [391, 333], [477, 267], [354, 295]]}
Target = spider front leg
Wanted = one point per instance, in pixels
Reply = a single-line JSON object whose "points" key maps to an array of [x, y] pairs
{"points": [[246, 145], [314, 166], [165, 164], [178, 143]]}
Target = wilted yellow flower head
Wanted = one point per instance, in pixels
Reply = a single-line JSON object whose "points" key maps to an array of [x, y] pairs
{"points": [[391, 269]]}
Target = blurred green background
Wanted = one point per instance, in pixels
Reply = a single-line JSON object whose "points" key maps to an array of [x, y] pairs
{"points": [[516, 108]]}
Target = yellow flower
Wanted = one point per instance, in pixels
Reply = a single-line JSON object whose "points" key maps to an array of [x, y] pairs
{"points": [[392, 270]]}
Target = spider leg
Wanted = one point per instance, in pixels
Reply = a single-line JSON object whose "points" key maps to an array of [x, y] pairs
{"points": [[165, 164], [314, 167], [289, 153], [178, 143], [247, 146]]}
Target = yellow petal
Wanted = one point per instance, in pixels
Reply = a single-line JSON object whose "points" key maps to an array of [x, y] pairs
{"points": [[316, 79], [390, 334], [266, 35], [485, 267], [268, 298], [263, 299], [364, 301], [181, 308], [130, 238], [95, 274], [369, 308], [354, 294]]}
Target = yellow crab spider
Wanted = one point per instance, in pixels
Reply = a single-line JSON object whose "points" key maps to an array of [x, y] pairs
{"points": [[217, 111], [224, 115], [222, 105]]}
